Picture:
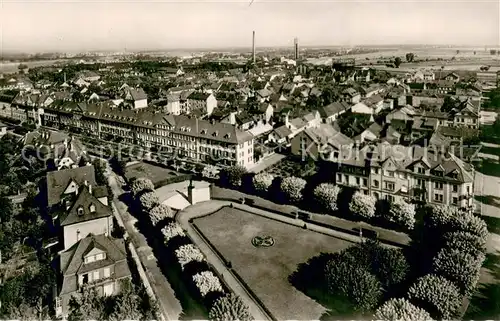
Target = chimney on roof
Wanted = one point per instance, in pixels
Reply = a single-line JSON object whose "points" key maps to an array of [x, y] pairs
{"points": [[253, 47], [90, 188]]}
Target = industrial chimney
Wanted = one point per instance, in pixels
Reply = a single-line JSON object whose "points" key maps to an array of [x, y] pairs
{"points": [[253, 47], [296, 48]]}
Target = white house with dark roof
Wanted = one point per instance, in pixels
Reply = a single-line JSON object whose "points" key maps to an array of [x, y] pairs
{"points": [[98, 262], [137, 97], [206, 102], [87, 215]]}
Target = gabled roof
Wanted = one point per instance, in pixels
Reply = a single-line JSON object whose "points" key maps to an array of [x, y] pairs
{"points": [[45, 137], [137, 94], [283, 131], [199, 96], [72, 260], [83, 204], [333, 109], [57, 181]]}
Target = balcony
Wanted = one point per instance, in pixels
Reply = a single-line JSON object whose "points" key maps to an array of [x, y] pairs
{"points": [[98, 282]]}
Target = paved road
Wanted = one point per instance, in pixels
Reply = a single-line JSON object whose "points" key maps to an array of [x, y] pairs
{"points": [[485, 185], [168, 302]]}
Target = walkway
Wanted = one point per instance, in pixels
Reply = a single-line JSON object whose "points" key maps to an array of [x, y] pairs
{"points": [[203, 208], [485, 185], [168, 303], [267, 162]]}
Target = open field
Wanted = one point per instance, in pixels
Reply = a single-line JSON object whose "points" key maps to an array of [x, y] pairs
{"points": [[155, 173], [266, 270]]}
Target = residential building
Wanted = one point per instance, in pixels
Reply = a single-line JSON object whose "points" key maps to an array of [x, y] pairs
{"points": [[137, 97], [204, 102], [331, 112], [424, 174], [3, 129], [96, 261]]}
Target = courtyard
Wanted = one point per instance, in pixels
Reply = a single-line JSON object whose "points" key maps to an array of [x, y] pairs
{"points": [[157, 174], [266, 267]]}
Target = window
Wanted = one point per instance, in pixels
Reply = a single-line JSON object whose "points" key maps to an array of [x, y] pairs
{"points": [[365, 182], [420, 170], [85, 279], [357, 181], [438, 185], [389, 173], [80, 211], [96, 276], [90, 259], [376, 195], [375, 183], [438, 197], [454, 200], [455, 188], [389, 186], [468, 189], [78, 236], [404, 189], [389, 198], [339, 178], [375, 170], [106, 272], [92, 208], [420, 182]]}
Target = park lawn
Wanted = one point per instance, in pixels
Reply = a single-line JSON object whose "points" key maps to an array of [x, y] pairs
{"points": [[490, 150], [489, 168], [155, 173], [266, 270]]}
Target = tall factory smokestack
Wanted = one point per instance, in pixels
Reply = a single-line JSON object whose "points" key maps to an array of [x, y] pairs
{"points": [[296, 48], [253, 47]]}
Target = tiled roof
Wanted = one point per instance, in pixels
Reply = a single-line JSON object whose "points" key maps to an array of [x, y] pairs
{"points": [[333, 109], [199, 96], [45, 137], [138, 94], [72, 260], [283, 131], [80, 211], [58, 181]]}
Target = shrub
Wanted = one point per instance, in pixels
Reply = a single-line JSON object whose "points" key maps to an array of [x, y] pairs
{"points": [[326, 195], [460, 267], [141, 184], [468, 222], [159, 213], [262, 182], [210, 171], [233, 175], [172, 230], [207, 282], [188, 253], [229, 307], [465, 242], [362, 205], [149, 200], [402, 213], [292, 187], [401, 310], [439, 296], [353, 282]]}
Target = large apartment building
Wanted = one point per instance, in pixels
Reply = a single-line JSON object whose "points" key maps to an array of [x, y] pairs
{"points": [[412, 173], [186, 137]]}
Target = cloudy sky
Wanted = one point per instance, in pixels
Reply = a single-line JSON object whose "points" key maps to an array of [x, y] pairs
{"points": [[76, 25]]}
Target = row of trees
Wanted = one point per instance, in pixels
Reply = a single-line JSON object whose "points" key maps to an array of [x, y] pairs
{"points": [[453, 245], [324, 197], [195, 269]]}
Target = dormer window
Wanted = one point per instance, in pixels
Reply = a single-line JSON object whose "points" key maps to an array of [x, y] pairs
{"points": [[203, 131], [95, 257], [188, 129], [80, 211], [215, 133], [228, 135], [92, 208]]}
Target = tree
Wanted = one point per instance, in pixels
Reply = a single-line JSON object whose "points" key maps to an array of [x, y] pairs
{"points": [[292, 188], [464, 242], [172, 230], [233, 175], [188, 253], [390, 266], [6, 210], [468, 222], [362, 205], [459, 267], [229, 307], [141, 184], [326, 195], [410, 56], [448, 104], [149, 200], [439, 216], [353, 282], [402, 213], [207, 282], [86, 305], [439, 296], [401, 310], [397, 62], [100, 167], [118, 165], [262, 182], [159, 213]]}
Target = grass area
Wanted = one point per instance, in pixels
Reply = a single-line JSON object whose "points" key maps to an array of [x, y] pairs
{"points": [[155, 173], [488, 199], [266, 270], [488, 167], [493, 224], [290, 167]]}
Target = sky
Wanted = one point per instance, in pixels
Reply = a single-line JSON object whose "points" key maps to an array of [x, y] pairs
{"points": [[87, 25]]}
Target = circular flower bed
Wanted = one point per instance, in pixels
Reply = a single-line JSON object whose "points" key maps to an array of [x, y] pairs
{"points": [[263, 241]]}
